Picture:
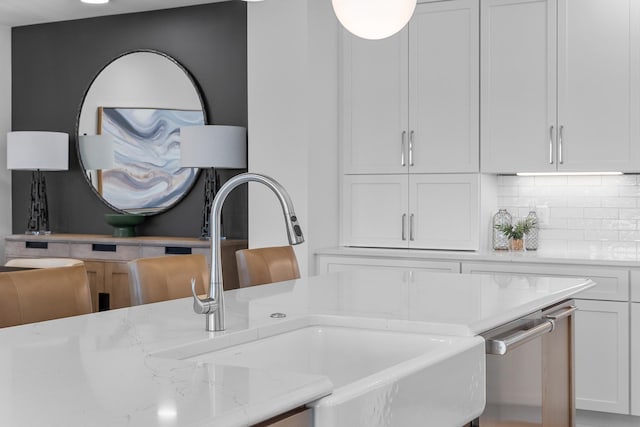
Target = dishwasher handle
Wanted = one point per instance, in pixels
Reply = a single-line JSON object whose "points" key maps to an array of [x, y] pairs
{"points": [[501, 346], [561, 314]]}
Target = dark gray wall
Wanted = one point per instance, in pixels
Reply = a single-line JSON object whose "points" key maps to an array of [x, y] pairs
{"points": [[53, 65]]}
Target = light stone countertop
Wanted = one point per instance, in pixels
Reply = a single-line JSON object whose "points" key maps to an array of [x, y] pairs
{"points": [[541, 256], [101, 370]]}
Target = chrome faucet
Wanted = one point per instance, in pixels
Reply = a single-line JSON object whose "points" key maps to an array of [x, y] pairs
{"points": [[213, 305]]}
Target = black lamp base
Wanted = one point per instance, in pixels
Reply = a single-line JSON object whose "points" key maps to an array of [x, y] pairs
{"points": [[211, 187], [38, 209]]}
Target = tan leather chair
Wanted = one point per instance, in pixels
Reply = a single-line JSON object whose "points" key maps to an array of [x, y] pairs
{"points": [[266, 265], [166, 277], [43, 262], [43, 294]]}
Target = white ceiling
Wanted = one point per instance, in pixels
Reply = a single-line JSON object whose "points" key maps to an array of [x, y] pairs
{"points": [[26, 12]]}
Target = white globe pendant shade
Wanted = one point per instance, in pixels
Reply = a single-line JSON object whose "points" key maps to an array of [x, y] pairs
{"points": [[373, 19]]}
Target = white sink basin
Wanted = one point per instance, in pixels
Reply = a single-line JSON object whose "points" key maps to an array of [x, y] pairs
{"points": [[380, 377]]}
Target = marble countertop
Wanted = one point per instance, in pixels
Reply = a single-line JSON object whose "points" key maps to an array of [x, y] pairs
{"points": [[100, 369]]}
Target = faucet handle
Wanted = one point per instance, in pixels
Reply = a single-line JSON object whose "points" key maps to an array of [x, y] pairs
{"points": [[202, 306]]}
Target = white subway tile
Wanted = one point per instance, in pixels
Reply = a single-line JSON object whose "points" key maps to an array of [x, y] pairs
{"points": [[628, 191], [550, 180], [515, 180], [617, 180], [583, 248], [608, 235], [629, 213], [585, 180], [507, 191], [619, 202], [584, 224], [619, 248], [619, 224], [584, 201], [557, 223], [630, 236], [508, 201], [541, 192], [604, 213], [568, 212], [563, 234]]}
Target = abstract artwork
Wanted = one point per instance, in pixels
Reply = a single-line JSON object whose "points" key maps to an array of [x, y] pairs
{"points": [[147, 176]]}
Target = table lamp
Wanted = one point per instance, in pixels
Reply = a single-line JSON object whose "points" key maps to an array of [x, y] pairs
{"points": [[96, 154], [212, 147], [37, 152]]}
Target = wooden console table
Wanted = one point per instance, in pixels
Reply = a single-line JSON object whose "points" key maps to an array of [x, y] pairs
{"points": [[106, 258]]}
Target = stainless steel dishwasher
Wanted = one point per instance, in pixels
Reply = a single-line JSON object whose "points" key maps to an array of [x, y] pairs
{"points": [[530, 371]]}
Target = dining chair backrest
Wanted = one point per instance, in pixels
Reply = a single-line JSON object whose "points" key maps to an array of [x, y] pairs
{"points": [[266, 265], [43, 294], [166, 277]]}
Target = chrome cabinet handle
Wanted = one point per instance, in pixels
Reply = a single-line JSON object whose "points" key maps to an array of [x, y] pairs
{"points": [[551, 145], [404, 136], [501, 346], [411, 227], [561, 145], [411, 148], [404, 222]]}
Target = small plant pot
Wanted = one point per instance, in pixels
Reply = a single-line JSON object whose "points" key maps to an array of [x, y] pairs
{"points": [[516, 245]]}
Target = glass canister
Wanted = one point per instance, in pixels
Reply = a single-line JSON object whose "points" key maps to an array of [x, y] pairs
{"points": [[500, 241], [531, 238]]}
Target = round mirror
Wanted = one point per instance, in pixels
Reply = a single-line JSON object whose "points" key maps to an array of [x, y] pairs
{"points": [[128, 132]]}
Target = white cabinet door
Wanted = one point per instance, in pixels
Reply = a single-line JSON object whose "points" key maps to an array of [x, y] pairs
{"points": [[602, 356], [374, 211], [635, 359], [334, 263], [374, 104], [444, 87], [598, 85], [518, 85], [444, 211]]}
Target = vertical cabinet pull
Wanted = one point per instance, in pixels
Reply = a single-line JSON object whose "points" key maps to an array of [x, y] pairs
{"points": [[411, 227], [560, 145], [551, 145], [404, 136], [404, 222], [411, 148]]}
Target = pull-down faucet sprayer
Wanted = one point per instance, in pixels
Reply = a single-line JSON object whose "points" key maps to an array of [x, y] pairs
{"points": [[213, 305]]}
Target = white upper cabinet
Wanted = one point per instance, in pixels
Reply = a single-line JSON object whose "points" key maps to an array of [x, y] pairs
{"points": [[410, 102], [518, 85], [374, 104], [559, 85], [598, 85], [443, 87]]}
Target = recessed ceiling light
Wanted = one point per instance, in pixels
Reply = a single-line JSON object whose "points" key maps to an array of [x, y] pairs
{"points": [[95, 1]]}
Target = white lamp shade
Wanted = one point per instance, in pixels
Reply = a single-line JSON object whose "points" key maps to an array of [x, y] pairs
{"points": [[38, 150], [213, 146], [96, 151], [373, 19]]}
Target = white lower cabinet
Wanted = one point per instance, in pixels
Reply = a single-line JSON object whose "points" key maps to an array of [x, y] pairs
{"points": [[635, 358], [602, 356], [426, 211]]}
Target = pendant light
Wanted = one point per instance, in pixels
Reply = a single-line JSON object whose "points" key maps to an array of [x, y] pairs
{"points": [[373, 19]]}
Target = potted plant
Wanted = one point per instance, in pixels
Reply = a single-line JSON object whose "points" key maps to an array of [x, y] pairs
{"points": [[516, 232]]}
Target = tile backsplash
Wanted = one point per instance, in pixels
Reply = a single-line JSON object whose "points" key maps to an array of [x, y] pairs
{"points": [[587, 214]]}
